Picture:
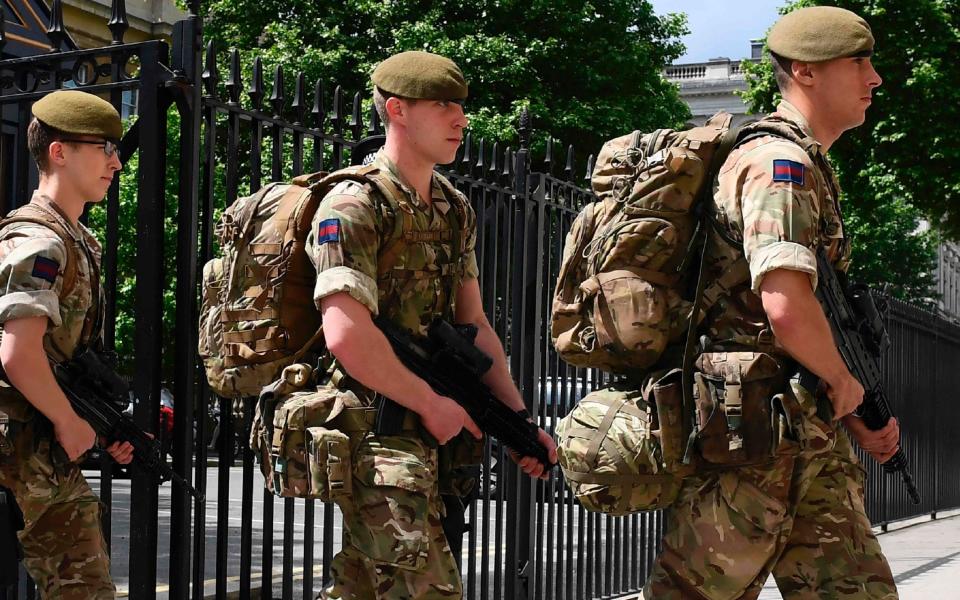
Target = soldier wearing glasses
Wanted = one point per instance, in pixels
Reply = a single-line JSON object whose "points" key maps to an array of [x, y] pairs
{"points": [[50, 306]]}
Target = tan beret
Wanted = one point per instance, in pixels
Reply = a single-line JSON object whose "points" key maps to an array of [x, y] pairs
{"points": [[80, 113], [420, 75], [819, 33]]}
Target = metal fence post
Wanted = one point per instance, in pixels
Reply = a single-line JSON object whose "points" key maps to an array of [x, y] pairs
{"points": [[148, 339], [186, 52]]}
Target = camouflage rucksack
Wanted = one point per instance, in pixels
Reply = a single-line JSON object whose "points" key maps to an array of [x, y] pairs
{"points": [[625, 290], [258, 314]]}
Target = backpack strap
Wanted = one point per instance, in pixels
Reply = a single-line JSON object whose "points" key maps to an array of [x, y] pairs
{"points": [[453, 220], [36, 214], [706, 207]]}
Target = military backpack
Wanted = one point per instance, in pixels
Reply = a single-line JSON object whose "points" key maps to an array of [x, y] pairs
{"points": [[628, 276], [258, 313], [629, 284]]}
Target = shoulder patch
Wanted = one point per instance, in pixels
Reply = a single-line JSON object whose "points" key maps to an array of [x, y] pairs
{"points": [[788, 170], [46, 269], [328, 231]]}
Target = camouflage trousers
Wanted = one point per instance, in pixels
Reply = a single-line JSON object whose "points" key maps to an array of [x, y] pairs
{"points": [[801, 519], [393, 542], [63, 546]]}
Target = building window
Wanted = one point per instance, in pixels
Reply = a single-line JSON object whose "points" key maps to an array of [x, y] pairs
{"points": [[128, 103]]}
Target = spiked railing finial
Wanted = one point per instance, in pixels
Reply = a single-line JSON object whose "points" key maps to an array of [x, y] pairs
{"points": [[118, 21], [336, 115], [568, 170], [299, 105], [481, 149], [525, 129], [494, 162], [211, 74], [319, 114], [356, 119], [256, 84], [589, 174], [276, 94], [467, 160], [548, 157], [235, 78], [55, 31], [376, 126]]}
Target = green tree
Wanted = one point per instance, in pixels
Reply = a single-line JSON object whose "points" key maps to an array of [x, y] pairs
{"points": [[587, 71], [127, 248], [901, 165]]}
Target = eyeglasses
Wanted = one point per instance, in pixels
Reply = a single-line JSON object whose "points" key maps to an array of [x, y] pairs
{"points": [[109, 148]]}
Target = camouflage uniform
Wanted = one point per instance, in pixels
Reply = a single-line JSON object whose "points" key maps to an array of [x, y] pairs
{"points": [[64, 548], [393, 541], [801, 516]]}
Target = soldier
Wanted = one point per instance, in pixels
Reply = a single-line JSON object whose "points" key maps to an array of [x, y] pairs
{"points": [[51, 306], [799, 516], [393, 543]]}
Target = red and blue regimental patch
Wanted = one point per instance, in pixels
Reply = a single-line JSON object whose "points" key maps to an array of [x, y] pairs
{"points": [[45, 268], [788, 170], [329, 231]]}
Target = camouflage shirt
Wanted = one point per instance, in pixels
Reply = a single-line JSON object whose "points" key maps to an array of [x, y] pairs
{"points": [[779, 203], [354, 226], [32, 262]]}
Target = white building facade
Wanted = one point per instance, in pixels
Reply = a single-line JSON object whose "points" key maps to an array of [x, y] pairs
{"points": [[711, 86]]}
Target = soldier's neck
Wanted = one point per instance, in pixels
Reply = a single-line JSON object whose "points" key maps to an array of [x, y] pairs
{"points": [[417, 172], [819, 120], [69, 201]]}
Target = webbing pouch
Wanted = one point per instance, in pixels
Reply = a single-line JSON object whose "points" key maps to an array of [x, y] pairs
{"points": [[328, 464], [733, 394]]}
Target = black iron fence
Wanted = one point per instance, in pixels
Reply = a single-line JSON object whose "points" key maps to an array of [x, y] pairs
{"points": [[229, 132]]}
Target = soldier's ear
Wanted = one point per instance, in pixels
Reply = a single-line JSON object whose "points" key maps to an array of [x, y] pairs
{"points": [[802, 72], [395, 108], [55, 154]]}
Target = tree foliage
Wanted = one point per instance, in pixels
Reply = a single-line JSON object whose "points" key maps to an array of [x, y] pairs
{"points": [[128, 247], [587, 71], [901, 165]]}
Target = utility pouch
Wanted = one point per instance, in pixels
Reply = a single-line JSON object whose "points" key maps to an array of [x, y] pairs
{"points": [[329, 464], [665, 392], [733, 392], [295, 436]]}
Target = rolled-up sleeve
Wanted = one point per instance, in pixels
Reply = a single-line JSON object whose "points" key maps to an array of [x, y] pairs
{"points": [[782, 255], [31, 276], [779, 200], [360, 286], [343, 243]]}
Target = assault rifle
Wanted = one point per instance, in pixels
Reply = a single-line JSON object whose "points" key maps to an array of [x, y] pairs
{"points": [[448, 360], [861, 337], [98, 394]]}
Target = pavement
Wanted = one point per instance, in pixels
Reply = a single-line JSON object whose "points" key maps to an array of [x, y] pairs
{"points": [[924, 555]]}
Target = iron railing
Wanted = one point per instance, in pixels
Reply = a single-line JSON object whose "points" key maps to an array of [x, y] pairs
{"points": [[528, 539]]}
